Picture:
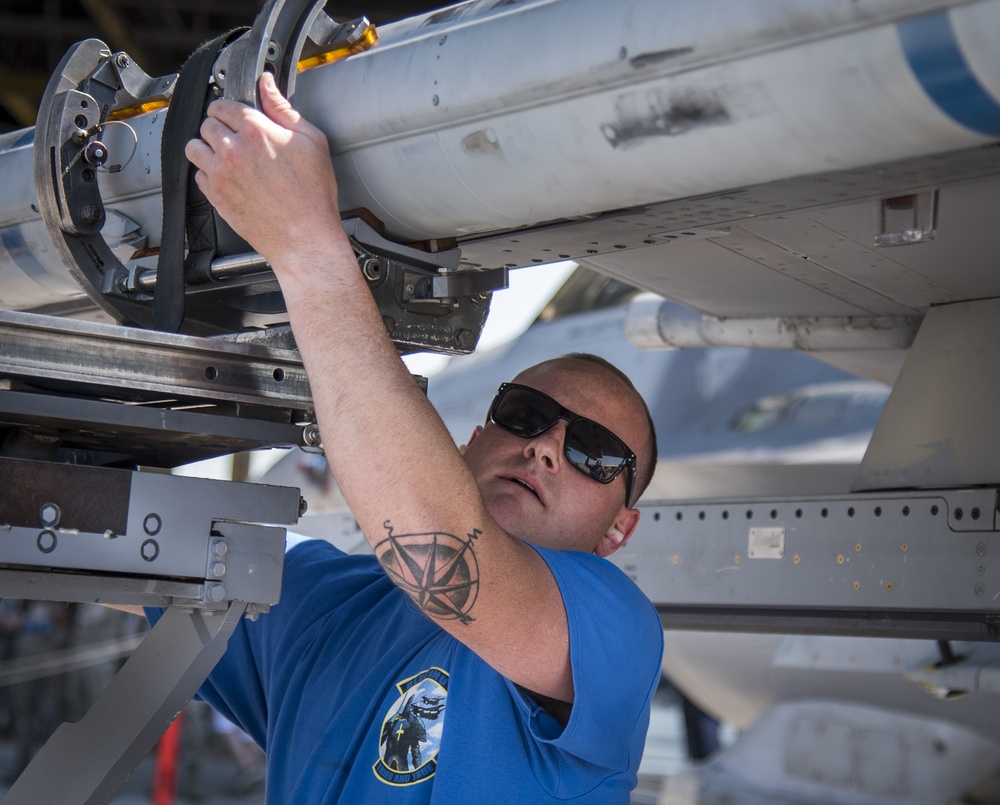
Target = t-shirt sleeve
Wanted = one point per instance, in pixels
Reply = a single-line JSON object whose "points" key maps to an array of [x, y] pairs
{"points": [[616, 648]]}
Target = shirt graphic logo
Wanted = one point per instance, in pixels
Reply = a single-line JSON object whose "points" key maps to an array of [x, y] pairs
{"points": [[412, 729]]}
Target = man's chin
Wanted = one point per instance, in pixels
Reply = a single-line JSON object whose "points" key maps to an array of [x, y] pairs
{"points": [[512, 516]]}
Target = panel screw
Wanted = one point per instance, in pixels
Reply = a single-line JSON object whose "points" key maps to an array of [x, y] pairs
{"points": [[49, 515], [152, 524], [47, 541]]}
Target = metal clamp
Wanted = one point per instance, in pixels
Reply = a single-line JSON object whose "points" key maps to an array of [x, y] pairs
{"points": [[285, 34], [90, 89]]}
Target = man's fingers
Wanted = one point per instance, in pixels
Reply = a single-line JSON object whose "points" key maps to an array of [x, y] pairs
{"points": [[231, 113], [201, 179], [214, 132], [275, 105], [198, 153]]}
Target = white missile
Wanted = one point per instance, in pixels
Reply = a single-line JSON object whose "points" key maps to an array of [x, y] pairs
{"points": [[492, 117]]}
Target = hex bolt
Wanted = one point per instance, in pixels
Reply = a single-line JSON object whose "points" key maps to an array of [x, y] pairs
{"points": [[152, 524], [311, 436], [372, 269], [217, 570], [220, 548], [49, 515], [466, 339], [90, 214], [216, 593]]}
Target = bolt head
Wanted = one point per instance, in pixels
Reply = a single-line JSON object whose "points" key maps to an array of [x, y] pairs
{"points": [[90, 214], [49, 514]]}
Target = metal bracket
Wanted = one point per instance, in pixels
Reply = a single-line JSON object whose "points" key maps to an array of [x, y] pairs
{"points": [[426, 302], [96, 521]]}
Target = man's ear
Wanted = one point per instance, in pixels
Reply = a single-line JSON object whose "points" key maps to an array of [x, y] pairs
{"points": [[472, 438], [619, 532]]}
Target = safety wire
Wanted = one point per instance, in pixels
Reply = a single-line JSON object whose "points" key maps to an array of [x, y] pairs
{"points": [[106, 168]]}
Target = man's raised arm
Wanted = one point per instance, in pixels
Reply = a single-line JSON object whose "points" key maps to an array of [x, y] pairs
{"points": [[270, 176]]}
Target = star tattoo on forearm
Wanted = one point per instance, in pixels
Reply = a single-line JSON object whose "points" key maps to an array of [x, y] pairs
{"points": [[436, 569]]}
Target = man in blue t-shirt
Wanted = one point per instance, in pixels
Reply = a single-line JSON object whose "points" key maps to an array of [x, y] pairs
{"points": [[485, 651]]}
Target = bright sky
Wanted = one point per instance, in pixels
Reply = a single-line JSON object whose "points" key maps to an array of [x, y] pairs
{"points": [[511, 312]]}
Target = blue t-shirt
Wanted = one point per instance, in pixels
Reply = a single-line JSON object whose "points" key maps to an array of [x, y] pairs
{"points": [[356, 696]]}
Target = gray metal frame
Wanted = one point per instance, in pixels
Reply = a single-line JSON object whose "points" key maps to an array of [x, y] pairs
{"points": [[208, 552], [191, 545]]}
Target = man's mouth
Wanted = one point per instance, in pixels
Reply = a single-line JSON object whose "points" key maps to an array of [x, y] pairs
{"points": [[527, 486]]}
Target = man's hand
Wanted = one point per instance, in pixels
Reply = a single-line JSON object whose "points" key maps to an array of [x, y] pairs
{"points": [[268, 174]]}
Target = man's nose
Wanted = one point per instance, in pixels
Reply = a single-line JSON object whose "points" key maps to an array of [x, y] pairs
{"points": [[547, 446]]}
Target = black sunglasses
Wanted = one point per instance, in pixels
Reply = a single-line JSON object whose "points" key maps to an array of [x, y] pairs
{"points": [[590, 447]]}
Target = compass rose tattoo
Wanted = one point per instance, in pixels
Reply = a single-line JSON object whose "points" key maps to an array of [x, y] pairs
{"points": [[437, 570]]}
